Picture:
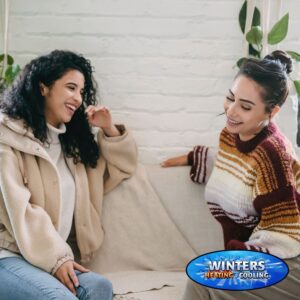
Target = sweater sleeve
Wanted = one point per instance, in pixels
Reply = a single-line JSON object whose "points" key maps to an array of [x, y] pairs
{"points": [[120, 154], [277, 202], [201, 160], [35, 235]]}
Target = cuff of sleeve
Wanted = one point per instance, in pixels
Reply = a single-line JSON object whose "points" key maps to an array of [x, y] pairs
{"points": [[190, 158], [60, 262], [114, 139], [236, 245], [198, 157]]}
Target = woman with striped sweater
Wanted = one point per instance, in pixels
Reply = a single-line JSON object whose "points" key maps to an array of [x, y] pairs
{"points": [[253, 177]]}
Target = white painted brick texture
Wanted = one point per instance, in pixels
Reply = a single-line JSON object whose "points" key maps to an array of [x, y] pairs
{"points": [[163, 66]]}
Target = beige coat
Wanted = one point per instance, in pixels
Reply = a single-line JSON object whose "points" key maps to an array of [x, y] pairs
{"points": [[30, 195]]}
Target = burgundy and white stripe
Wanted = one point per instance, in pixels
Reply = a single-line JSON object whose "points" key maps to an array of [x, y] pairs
{"points": [[198, 171]]}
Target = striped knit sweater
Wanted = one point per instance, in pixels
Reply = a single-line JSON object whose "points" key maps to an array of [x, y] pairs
{"points": [[252, 191]]}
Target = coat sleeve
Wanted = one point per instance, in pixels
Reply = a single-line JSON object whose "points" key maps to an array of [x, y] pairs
{"points": [[120, 154], [201, 160], [277, 202], [35, 235]]}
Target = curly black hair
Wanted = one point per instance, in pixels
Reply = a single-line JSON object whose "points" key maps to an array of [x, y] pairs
{"points": [[25, 101]]}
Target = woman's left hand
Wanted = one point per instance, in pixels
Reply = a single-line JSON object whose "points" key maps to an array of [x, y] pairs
{"points": [[99, 116]]}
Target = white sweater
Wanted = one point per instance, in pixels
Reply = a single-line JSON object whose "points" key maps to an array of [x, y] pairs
{"points": [[67, 184]]}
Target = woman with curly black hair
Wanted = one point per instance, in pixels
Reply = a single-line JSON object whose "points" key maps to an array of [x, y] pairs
{"points": [[54, 172]]}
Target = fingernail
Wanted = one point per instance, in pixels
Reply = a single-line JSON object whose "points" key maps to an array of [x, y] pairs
{"points": [[77, 285]]}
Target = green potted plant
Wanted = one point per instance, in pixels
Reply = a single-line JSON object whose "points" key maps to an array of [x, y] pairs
{"points": [[257, 41], [8, 69]]}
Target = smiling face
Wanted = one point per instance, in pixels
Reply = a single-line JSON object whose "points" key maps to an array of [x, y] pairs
{"points": [[63, 97], [245, 109]]}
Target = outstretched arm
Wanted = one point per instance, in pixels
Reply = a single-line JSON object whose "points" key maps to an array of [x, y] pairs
{"points": [[175, 161], [201, 160]]}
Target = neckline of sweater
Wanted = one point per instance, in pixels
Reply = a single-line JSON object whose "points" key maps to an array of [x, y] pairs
{"points": [[250, 145], [53, 133]]}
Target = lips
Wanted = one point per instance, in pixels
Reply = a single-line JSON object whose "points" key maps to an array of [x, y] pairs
{"points": [[71, 108], [233, 123]]}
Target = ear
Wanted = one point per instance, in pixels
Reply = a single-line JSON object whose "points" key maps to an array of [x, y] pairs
{"points": [[44, 89], [274, 111]]}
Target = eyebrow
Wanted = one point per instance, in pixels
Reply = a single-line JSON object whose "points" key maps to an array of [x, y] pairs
{"points": [[73, 83], [241, 99]]}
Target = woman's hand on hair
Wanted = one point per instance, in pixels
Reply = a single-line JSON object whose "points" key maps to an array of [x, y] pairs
{"points": [[99, 116], [175, 161], [67, 276]]}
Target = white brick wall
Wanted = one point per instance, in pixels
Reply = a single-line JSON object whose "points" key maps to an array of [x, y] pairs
{"points": [[163, 66]]}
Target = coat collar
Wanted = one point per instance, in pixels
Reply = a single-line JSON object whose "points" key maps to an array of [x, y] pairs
{"points": [[15, 134], [17, 126]]}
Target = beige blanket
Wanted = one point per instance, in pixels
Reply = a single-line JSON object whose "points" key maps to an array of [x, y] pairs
{"points": [[140, 237]]}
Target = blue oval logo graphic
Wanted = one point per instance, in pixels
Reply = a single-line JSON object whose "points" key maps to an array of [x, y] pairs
{"points": [[237, 270]]}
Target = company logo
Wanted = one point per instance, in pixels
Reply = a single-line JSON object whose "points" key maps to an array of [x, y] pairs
{"points": [[237, 270]]}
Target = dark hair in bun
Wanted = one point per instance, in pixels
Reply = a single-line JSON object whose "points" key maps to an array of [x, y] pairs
{"points": [[271, 74], [283, 58]]}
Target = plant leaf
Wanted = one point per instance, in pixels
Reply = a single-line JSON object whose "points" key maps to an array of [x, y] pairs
{"points": [[242, 16], [253, 52], [279, 30], [240, 61], [11, 72], [297, 87], [254, 36], [256, 17], [294, 55], [10, 60]]}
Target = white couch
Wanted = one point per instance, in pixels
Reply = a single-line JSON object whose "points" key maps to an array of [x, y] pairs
{"points": [[155, 223]]}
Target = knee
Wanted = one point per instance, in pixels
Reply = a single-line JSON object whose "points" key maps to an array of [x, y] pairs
{"points": [[104, 287], [55, 294], [59, 294], [98, 288]]}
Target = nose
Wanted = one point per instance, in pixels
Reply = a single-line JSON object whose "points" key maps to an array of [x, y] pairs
{"points": [[231, 110], [78, 97]]}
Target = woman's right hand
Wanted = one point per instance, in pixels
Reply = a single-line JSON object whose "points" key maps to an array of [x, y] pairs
{"points": [[66, 274], [175, 161]]}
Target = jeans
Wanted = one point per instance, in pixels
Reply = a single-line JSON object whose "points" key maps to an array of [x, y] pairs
{"points": [[19, 280]]}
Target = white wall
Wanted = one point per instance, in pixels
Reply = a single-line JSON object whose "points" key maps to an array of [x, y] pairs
{"points": [[163, 66]]}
